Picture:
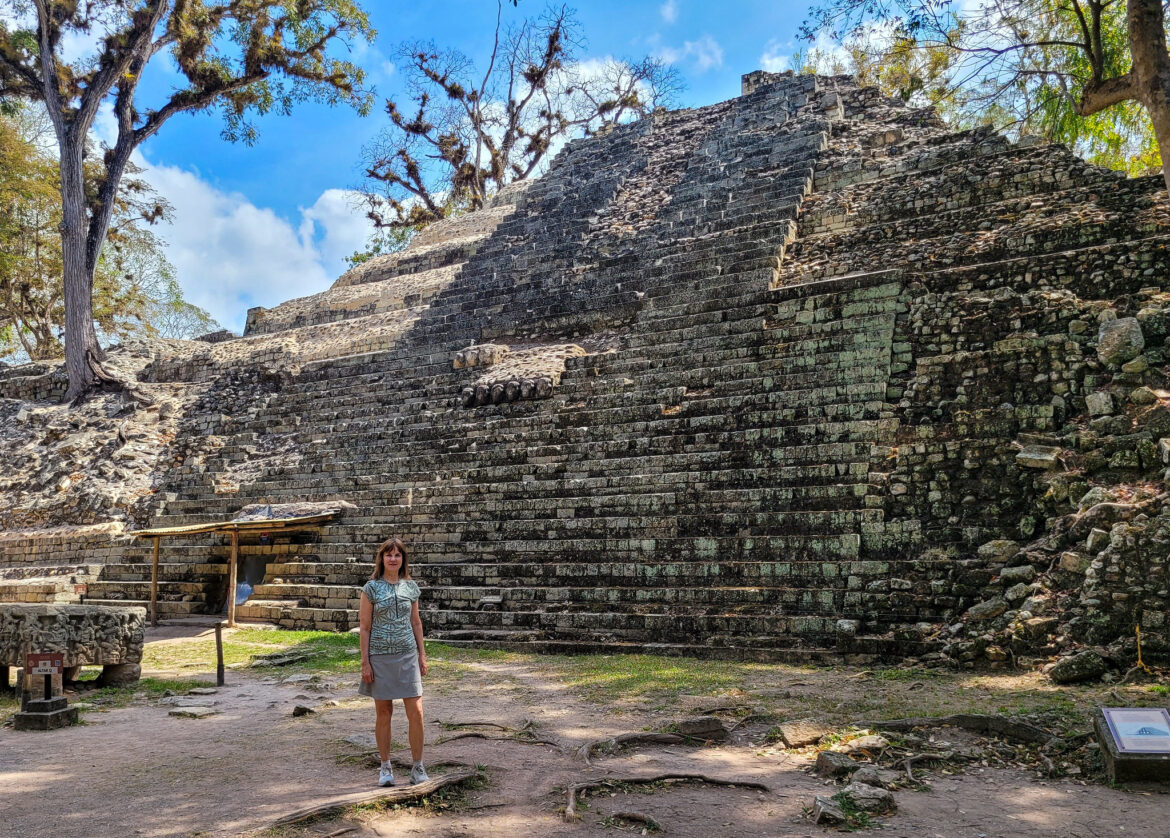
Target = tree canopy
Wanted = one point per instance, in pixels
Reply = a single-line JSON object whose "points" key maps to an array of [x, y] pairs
{"points": [[135, 291], [468, 132], [1091, 73], [247, 57]]}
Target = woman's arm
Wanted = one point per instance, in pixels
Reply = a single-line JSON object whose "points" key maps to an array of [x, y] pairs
{"points": [[365, 620], [416, 625]]}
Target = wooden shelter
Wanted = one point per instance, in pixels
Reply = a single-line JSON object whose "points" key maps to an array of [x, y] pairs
{"points": [[232, 528]]}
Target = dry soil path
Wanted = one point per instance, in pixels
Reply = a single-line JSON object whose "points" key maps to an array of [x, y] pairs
{"points": [[137, 771]]}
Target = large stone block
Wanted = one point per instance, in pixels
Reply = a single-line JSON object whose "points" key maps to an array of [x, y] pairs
{"points": [[87, 634]]}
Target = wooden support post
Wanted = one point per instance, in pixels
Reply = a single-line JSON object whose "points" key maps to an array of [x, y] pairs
{"points": [[232, 573], [219, 654], [154, 584]]}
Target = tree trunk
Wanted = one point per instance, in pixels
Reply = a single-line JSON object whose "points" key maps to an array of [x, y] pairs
{"points": [[1151, 69], [80, 337]]}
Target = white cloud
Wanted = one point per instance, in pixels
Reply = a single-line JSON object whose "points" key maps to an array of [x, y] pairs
{"points": [[669, 11], [230, 254], [705, 53], [337, 223], [776, 57]]}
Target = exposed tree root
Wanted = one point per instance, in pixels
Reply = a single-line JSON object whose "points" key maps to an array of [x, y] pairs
{"points": [[750, 717], [343, 831], [576, 788], [106, 381], [394, 794], [623, 740], [1133, 674], [524, 734], [908, 762], [976, 723], [520, 737], [638, 817]]}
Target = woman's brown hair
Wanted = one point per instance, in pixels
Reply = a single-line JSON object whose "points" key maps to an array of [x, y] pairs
{"points": [[404, 571]]}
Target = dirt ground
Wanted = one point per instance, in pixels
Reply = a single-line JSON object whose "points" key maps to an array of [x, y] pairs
{"points": [[137, 771]]}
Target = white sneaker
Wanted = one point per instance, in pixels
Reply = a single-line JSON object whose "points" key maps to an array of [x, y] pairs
{"points": [[386, 775], [418, 774]]}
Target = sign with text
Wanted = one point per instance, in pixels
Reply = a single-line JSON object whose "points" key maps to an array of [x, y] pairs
{"points": [[52, 663]]}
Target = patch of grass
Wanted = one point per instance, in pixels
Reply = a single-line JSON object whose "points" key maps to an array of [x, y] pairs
{"points": [[151, 689], [325, 651], [1160, 689], [854, 817]]}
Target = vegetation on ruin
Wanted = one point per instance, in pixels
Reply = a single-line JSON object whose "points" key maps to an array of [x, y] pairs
{"points": [[469, 131], [1090, 73]]}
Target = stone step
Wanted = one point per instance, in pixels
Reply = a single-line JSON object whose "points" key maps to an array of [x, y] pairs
{"points": [[435, 540], [72, 573], [166, 608], [630, 627], [542, 481], [314, 596], [322, 573], [291, 616], [140, 590], [950, 185], [40, 590], [712, 571], [828, 595]]}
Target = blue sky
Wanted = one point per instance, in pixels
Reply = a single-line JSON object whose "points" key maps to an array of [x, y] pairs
{"points": [[256, 225]]}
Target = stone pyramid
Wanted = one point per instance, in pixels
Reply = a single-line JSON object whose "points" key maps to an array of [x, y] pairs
{"points": [[802, 375]]}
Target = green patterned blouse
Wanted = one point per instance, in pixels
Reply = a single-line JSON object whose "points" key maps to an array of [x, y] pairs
{"points": [[391, 633]]}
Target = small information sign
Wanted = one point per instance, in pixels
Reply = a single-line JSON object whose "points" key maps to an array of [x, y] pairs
{"points": [[1139, 730], [52, 663]]}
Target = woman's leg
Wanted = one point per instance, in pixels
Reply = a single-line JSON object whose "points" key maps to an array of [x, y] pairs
{"points": [[384, 710], [414, 715]]}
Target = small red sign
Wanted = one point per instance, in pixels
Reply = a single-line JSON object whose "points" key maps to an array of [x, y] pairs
{"points": [[52, 663], [80, 590]]}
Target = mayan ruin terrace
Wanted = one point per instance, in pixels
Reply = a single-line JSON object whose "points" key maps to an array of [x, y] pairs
{"points": [[799, 376]]}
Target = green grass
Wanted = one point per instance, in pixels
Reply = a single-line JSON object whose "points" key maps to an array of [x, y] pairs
{"points": [[151, 689], [830, 694], [326, 651]]}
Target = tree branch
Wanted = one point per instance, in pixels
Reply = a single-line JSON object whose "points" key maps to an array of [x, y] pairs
{"points": [[1097, 96]]}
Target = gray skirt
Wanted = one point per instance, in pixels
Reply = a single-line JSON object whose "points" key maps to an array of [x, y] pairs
{"points": [[395, 676]]}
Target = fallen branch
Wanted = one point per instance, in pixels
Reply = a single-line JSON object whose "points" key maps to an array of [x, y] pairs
{"points": [[394, 794], [976, 723], [575, 788], [623, 740]]}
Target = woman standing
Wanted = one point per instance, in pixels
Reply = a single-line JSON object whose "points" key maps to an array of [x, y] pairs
{"points": [[393, 657]]}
